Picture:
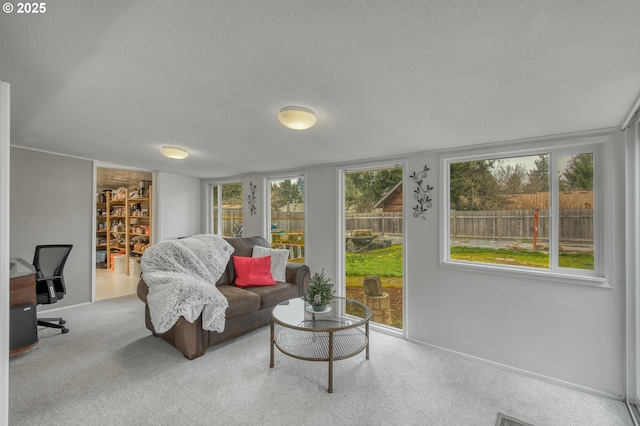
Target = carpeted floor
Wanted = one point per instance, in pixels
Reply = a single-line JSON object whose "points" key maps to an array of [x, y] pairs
{"points": [[109, 370]]}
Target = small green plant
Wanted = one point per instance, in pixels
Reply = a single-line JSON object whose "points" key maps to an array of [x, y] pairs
{"points": [[320, 291]]}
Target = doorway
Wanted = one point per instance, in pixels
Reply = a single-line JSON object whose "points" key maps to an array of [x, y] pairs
{"points": [[123, 229]]}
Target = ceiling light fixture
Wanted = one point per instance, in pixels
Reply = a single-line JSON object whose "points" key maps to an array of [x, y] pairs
{"points": [[297, 117], [174, 152]]}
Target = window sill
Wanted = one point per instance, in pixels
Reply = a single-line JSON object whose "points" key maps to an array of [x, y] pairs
{"points": [[526, 273]]}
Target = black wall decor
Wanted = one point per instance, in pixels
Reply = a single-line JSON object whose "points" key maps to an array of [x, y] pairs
{"points": [[251, 198], [421, 193]]}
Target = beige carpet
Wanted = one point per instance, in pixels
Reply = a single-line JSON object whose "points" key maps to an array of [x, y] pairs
{"points": [[109, 370]]}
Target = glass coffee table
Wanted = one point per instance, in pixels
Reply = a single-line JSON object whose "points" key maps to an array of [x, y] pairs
{"points": [[340, 332]]}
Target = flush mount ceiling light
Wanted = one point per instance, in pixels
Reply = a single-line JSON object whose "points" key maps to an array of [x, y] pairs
{"points": [[174, 152], [297, 117]]}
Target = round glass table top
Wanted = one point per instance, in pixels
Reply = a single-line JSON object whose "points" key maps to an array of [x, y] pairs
{"points": [[341, 313]]}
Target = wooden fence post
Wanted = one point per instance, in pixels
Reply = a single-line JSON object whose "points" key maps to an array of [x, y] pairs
{"points": [[536, 212]]}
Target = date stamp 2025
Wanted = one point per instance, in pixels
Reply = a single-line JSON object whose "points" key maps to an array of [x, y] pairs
{"points": [[25, 8]]}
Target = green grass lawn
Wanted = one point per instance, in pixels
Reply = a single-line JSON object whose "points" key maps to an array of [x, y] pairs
{"points": [[534, 259], [386, 262]]}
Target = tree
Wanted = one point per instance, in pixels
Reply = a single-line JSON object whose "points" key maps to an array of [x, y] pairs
{"points": [[364, 189], [285, 193], [539, 177], [231, 195], [578, 175], [511, 178], [472, 186], [300, 183]]}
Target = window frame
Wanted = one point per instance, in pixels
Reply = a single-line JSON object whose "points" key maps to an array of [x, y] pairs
{"points": [[267, 201], [341, 284], [211, 226], [600, 147]]}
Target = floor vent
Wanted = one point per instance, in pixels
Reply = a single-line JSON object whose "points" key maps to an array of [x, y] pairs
{"points": [[510, 421]]}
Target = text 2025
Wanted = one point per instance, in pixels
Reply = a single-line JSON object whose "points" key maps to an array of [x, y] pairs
{"points": [[31, 8]]}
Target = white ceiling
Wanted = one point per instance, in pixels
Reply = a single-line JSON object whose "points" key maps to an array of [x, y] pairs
{"points": [[114, 80]]}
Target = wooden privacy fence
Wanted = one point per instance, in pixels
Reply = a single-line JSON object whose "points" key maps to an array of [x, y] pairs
{"points": [[284, 221], [575, 225], [377, 222], [380, 223], [230, 219], [287, 221]]}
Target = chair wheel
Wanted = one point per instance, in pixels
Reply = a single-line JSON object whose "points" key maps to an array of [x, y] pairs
{"points": [[65, 330], [62, 322]]}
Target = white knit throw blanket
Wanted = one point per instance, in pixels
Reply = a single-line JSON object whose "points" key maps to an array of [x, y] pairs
{"points": [[181, 276]]}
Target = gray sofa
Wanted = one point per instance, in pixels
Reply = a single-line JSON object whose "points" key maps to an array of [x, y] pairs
{"points": [[249, 308]]}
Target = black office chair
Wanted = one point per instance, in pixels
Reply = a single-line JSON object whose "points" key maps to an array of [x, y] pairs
{"points": [[49, 262]]}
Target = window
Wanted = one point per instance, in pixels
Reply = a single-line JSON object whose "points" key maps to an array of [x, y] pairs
{"points": [[532, 212], [286, 216], [372, 219], [227, 209]]}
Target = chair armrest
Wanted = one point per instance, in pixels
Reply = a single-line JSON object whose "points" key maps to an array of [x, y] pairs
{"points": [[298, 274], [51, 288], [48, 278]]}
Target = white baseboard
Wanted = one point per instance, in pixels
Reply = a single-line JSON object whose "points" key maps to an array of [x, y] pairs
{"points": [[62, 307], [528, 373], [633, 412]]}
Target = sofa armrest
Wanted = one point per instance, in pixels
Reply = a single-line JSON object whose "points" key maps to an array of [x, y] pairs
{"points": [[142, 290], [298, 274]]}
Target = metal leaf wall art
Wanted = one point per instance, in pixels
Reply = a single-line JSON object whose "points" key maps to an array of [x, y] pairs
{"points": [[421, 193], [251, 198]]}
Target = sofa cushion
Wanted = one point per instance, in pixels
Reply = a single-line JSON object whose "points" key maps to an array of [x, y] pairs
{"points": [[279, 260], [271, 295], [242, 246], [252, 271], [241, 301]]}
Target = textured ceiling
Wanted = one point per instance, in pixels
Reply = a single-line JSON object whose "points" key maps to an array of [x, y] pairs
{"points": [[114, 80], [108, 178]]}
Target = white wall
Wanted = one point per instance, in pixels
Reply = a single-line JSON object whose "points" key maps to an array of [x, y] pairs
{"points": [[5, 155], [254, 225], [321, 220], [566, 332], [52, 203], [177, 210], [633, 258]]}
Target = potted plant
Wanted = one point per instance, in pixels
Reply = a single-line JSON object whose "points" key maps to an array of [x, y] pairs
{"points": [[320, 291]]}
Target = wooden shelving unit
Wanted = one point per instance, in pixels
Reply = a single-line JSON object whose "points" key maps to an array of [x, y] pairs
{"points": [[126, 224], [101, 225], [139, 222]]}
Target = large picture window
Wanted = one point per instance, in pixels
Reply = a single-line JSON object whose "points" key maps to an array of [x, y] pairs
{"points": [[535, 212], [374, 241]]}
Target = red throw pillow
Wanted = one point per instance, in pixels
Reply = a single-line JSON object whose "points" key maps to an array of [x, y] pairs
{"points": [[253, 271]]}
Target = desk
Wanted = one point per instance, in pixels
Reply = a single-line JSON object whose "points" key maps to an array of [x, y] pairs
{"points": [[23, 294]]}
